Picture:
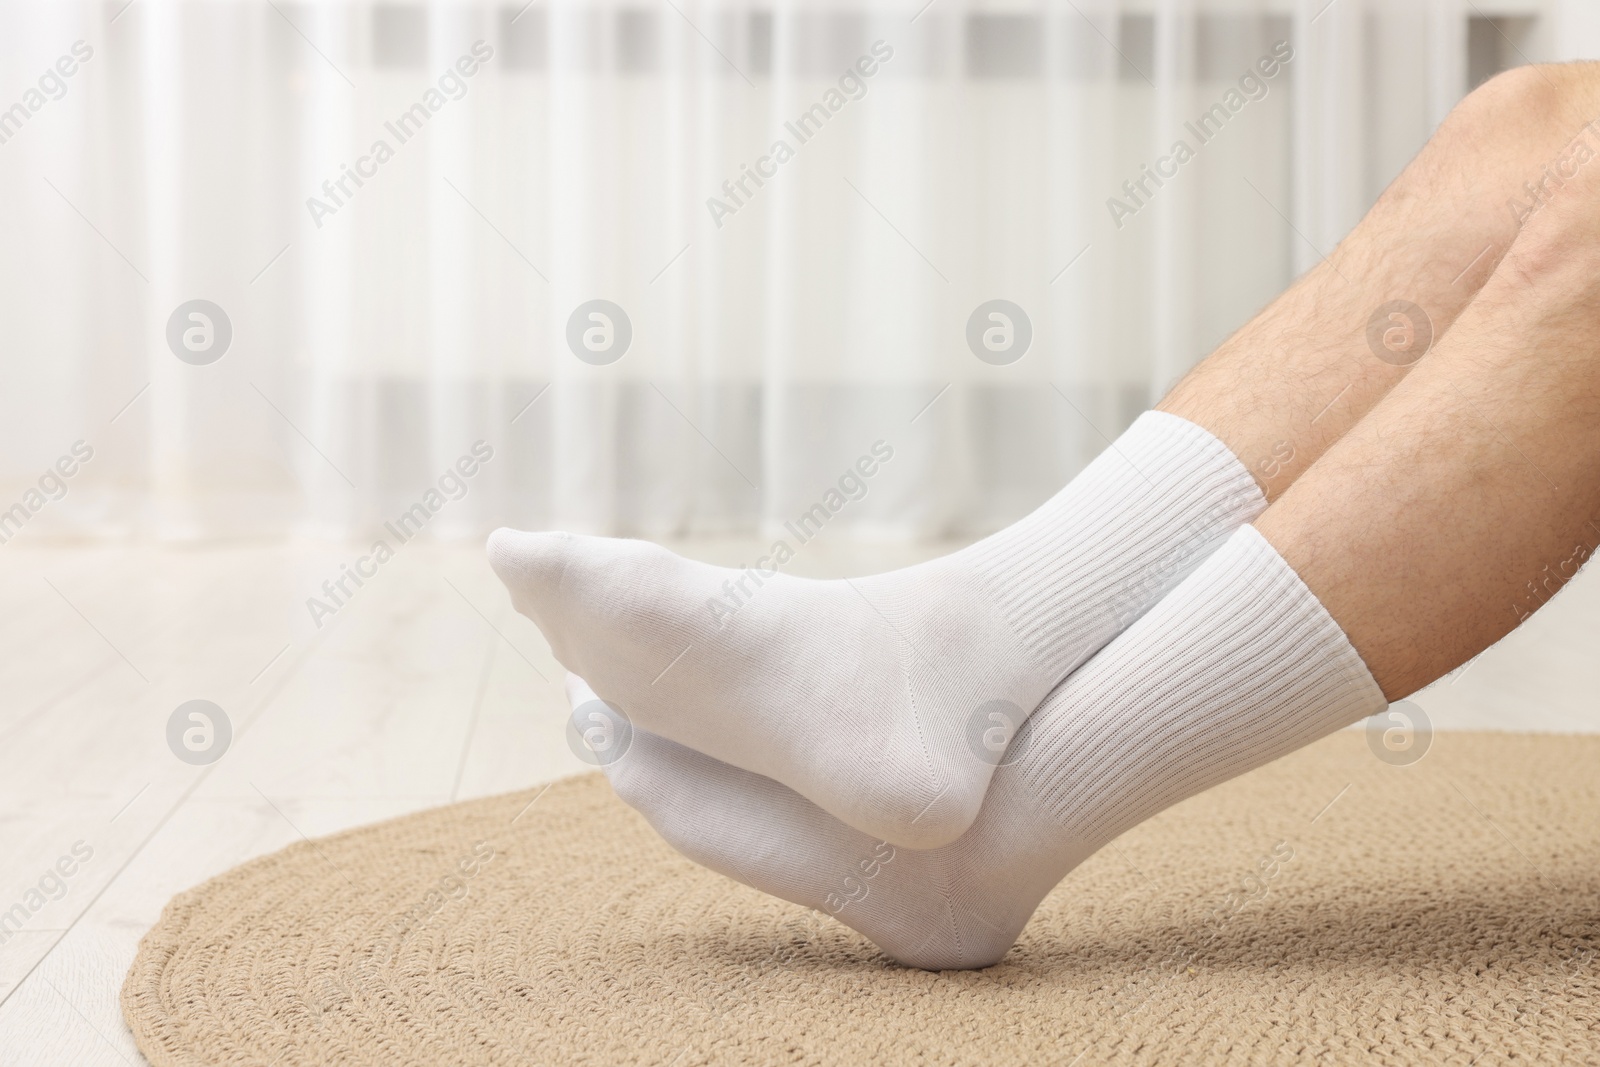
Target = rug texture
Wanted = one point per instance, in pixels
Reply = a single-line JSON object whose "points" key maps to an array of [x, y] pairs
{"points": [[1331, 908]]}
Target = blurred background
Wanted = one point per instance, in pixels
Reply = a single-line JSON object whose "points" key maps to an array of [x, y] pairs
{"points": [[376, 337], [279, 280]]}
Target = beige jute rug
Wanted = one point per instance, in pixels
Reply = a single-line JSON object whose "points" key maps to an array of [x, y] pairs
{"points": [[1330, 908]]}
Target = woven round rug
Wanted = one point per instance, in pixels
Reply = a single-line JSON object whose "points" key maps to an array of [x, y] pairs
{"points": [[1328, 907]]}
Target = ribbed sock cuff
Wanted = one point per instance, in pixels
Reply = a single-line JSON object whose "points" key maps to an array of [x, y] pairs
{"points": [[1239, 665], [1130, 526]]}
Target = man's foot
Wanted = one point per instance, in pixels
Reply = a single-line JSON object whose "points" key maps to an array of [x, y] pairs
{"points": [[1237, 666], [880, 699]]}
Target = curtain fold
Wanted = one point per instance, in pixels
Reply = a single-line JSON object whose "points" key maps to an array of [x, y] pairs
{"points": [[430, 228]]}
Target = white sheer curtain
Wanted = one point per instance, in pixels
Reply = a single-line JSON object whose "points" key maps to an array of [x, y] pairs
{"points": [[380, 329]]}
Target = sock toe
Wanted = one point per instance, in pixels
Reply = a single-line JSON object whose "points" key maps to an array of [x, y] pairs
{"points": [[532, 566], [521, 557]]}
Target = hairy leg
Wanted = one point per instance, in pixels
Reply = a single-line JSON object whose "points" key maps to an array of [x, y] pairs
{"points": [[1295, 378], [860, 694], [1460, 503], [1471, 493]]}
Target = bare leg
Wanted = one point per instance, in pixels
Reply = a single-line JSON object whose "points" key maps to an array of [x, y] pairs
{"points": [[696, 655], [1471, 493], [1295, 378], [1417, 532]]}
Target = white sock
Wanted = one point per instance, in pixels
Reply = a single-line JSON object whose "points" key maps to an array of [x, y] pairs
{"points": [[1238, 665], [865, 695]]}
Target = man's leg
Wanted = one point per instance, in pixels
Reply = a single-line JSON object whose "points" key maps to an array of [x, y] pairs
{"points": [[1295, 378], [1473, 487], [859, 694], [1471, 493], [1464, 500]]}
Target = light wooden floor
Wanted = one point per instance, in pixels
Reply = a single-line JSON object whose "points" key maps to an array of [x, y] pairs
{"points": [[425, 688]]}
